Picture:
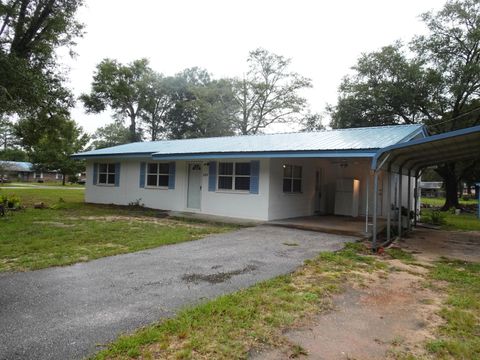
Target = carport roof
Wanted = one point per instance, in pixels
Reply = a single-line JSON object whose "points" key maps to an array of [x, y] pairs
{"points": [[418, 154]]}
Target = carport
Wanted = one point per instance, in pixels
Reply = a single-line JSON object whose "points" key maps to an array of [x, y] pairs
{"points": [[410, 159]]}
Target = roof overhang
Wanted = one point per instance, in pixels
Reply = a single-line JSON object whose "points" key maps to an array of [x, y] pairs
{"points": [[269, 154], [418, 154]]}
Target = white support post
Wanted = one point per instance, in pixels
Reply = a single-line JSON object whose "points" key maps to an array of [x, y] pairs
{"points": [[409, 201], [416, 199], [366, 202], [400, 203], [375, 195], [389, 203]]}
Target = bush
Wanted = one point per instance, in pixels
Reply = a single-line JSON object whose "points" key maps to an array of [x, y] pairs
{"points": [[10, 202], [434, 217]]}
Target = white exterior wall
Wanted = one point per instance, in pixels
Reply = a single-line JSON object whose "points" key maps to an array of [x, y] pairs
{"points": [[221, 203], [269, 204], [286, 205]]}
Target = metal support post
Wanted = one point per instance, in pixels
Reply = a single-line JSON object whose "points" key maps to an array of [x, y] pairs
{"points": [[375, 195], [400, 203]]}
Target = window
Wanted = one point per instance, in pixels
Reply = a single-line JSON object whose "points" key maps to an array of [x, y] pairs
{"points": [[234, 176], [157, 174], [106, 174], [292, 179]]}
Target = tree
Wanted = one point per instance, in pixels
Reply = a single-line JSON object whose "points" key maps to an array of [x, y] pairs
{"points": [[439, 85], [7, 137], [30, 33], [50, 140], [268, 94], [199, 106], [111, 135], [312, 122], [121, 88]]}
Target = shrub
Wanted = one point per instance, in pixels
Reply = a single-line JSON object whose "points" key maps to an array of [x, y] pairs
{"points": [[434, 217], [10, 202]]}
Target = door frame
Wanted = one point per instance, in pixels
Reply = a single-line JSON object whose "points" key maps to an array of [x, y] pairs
{"points": [[188, 185]]}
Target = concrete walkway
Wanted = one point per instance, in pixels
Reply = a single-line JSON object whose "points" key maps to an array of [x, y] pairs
{"points": [[65, 312]]}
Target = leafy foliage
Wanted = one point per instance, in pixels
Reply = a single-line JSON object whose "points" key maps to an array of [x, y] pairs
{"points": [[436, 82], [30, 32], [269, 92]]}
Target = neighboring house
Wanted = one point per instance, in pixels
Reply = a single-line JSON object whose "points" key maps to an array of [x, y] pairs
{"points": [[25, 171], [259, 177], [432, 189], [16, 170]]}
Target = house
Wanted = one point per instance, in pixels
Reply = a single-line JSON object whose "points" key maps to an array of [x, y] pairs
{"points": [[432, 189], [25, 172], [16, 170], [258, 177]]}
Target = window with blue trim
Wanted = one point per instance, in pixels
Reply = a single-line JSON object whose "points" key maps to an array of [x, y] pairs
{"points": [[234, 176], [158, 174], [106, 174]]}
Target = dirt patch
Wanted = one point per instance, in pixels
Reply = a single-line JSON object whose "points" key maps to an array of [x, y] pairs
{"points": [[217, 278], [429, 244], [389, 314], [385, 314], [54, 224], [165, 221]]}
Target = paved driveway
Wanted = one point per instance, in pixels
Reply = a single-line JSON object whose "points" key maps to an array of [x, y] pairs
{"points": [[65, 313]]}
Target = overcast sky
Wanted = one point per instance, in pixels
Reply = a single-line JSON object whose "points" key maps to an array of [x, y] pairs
{"points": [[323, 38]]}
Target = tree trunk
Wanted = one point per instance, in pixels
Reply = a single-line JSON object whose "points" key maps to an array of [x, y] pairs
{"points": [[133, 128], [63, 179], [451, 187]]}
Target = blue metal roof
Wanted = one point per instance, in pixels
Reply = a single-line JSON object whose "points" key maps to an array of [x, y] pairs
{"points": [[354, 139], [16, 166]]}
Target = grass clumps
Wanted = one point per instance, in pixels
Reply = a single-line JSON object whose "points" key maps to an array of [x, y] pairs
{"points": [[229, 326], [459, 336]]}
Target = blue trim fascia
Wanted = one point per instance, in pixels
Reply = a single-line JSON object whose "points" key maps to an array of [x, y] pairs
{"points": [[269, 154], [446, 135], [420, 130], [107, 156]]}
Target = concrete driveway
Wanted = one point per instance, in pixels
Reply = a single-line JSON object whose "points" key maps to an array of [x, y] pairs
{"points": [[68, 312]]}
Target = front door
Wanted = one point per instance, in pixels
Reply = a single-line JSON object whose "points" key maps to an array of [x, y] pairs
{"points": [[320, 192], [194, 194]]}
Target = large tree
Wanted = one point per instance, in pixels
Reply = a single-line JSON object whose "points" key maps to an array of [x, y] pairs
{"points": [[202, 106], [30, 33], [269, 93], [111, 135], [122, 88], [435, 82], [50, 140]]}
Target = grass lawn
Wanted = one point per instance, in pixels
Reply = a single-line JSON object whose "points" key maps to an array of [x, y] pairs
{"points": [[463, 222], [459, 336], [438, 202], [229, 326], [70, 231]]}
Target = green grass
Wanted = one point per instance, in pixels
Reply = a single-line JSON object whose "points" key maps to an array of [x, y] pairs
{"points": [[70, 231], [465, 222], [397, 253], [438, 202], [459, 337], [229, 326]]}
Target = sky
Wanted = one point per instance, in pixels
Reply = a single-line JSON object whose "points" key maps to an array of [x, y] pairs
{"points": [[323, 38]]}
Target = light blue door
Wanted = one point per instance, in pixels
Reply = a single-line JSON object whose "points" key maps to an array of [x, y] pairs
{"points": [[194, 194]]}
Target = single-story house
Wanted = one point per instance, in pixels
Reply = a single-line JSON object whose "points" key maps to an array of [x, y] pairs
{"points": [[16, 170], [257, 177], [432, 188], [25, 171]]}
